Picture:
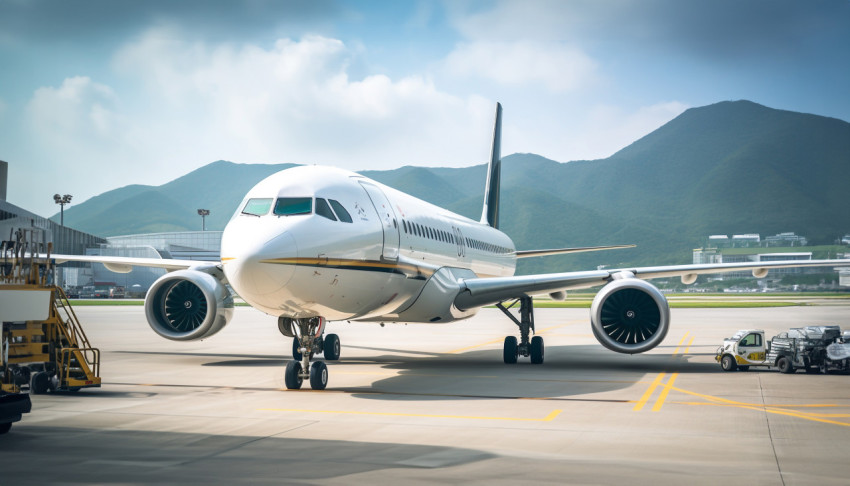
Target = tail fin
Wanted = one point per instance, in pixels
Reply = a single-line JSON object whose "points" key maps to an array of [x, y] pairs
{"points": [[490, 214]]}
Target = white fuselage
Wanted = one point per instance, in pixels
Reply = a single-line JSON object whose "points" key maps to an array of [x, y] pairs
{"points": [[286, 253]]}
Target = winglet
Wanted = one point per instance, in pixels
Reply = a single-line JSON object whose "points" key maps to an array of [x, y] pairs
{"points": [[490, 213]]}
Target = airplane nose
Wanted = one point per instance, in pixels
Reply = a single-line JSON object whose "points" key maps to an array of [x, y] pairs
{"points": [[264, 269]]}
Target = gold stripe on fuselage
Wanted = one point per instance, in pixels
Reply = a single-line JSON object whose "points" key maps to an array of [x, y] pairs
{"points": [[403, 268]]}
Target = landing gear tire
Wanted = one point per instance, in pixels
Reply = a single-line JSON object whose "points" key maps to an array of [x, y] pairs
{"points": [[318, 375], [39, 383], [292, 377], [296, 350], [510, 350], [332, 347], [727, 363], [5, 427], [784, 365], [536, 350]]}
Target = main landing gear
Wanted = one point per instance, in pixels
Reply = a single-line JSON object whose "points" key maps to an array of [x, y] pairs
{"points": [[525, 347], [307, 341]]}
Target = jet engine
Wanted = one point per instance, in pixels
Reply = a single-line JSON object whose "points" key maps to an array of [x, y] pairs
{"points": [[629, 315], [187, 305]]}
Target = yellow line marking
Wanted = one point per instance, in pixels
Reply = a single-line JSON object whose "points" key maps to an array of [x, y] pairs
{"points": [[804, 416], [649, 392], [774, 409], [680, 343], [663, 395], [715, 401], [657, 381], [547, 418]]}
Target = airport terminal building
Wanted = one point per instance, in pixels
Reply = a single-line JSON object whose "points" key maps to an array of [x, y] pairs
{"points": [[186, 245], [189, 245], [40, 230]]}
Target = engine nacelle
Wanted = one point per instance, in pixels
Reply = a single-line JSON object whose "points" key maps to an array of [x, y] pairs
{"points": [[187, 305], [630, 316]]}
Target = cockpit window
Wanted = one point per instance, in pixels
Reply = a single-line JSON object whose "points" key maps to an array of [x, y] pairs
{"points": [[290, 206], [340, 211], [322, 209], [257, 207]]}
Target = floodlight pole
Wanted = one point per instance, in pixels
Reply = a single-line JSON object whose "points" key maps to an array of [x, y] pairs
{"points": [[204, 213], [61, 201]]}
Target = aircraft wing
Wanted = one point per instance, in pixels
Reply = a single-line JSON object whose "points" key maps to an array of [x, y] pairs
{"points": [[126, 264], [561, 251], [477, 292]]}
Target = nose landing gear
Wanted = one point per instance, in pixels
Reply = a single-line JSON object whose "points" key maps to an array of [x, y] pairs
{"points": [[308, 340]]}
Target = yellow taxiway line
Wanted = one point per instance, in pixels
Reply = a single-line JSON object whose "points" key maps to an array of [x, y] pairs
{"points": [[665, 387]]}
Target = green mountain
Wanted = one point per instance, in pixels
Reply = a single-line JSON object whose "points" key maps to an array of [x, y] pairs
{"points": [[174, 206], [727, 168]]}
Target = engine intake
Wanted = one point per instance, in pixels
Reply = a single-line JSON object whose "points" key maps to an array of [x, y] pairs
{"points": [[187, 305], [630, 316]]}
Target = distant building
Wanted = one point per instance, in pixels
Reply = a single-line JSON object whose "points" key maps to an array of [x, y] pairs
{"points": [[746, 255], [65, 240], [707, 255], [718, 241], [786, 239], [746, 240], [186, 245], [736, 241]]}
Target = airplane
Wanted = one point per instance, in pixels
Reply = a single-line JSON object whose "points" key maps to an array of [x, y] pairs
{"points": [[313, 244]]}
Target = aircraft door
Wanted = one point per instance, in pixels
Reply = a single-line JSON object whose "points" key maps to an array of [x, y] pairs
{"points": [[389, 223]]}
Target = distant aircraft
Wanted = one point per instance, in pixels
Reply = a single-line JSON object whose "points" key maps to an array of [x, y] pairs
{"points": [[315, 244]]}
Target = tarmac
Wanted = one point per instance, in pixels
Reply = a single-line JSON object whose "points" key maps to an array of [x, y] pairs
{"points": [[424, 404]]}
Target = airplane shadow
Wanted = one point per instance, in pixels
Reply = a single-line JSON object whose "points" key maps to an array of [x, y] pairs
{"points": [[569, 373]]}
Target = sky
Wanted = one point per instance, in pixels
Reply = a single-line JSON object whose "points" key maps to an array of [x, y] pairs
{"points": [[100, 94]]}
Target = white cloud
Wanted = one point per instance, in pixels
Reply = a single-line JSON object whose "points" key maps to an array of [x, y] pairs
{"points": [[295, 102], [177, 105], [557, 66], [78, 108]]}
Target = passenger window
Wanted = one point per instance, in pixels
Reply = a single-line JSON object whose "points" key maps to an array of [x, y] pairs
{"points": [[290, 206], [257, 207], [322, 209], [340, 211]]}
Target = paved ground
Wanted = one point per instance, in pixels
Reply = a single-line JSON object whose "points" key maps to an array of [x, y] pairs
{"points": [[424, 404]]}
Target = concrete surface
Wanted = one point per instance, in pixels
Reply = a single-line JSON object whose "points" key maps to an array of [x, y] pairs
{"points": [[421, 404]]}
